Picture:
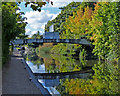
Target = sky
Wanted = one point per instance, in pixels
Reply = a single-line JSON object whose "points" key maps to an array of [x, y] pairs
{"points": [[37, 20]]}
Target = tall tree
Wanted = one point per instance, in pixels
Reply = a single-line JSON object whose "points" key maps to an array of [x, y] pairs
{"points": [[37, 36], [13, 24], [76, 26]]}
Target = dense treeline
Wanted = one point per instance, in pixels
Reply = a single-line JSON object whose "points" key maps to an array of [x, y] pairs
{"points": [[99, 24]]}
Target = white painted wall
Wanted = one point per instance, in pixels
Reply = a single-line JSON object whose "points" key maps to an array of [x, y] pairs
{"points": [[51, 28]]}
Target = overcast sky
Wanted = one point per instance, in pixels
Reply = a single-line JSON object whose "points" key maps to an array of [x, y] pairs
{"points": [[37, 20]]}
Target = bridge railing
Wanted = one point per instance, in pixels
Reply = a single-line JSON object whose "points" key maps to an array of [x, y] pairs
{"points": [[39, 40], [17, 41], [73, 41], [30, 40]]}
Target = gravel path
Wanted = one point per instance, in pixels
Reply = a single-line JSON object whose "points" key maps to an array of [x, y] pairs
{"points": [[15, 78]]}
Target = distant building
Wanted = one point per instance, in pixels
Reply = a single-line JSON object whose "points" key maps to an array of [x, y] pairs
{"points": [[51, 35]]}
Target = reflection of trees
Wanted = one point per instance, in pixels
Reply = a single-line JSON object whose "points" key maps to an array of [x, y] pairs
{"points": [[50, 65], [33, 57], [38, 62], [59, 63], [66, 64], [104, 81]]}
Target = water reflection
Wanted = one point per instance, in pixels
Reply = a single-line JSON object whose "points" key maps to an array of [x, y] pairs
{"points": [[103, 81], [36, 68], [50, 85], [56, 63]]}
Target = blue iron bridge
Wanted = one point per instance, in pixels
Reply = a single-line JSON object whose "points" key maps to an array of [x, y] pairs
{"points": [[41, 41]]}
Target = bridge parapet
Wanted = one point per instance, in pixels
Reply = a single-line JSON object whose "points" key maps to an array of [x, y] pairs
{"points": [[31, 40], [39, 41], [17, 41]]}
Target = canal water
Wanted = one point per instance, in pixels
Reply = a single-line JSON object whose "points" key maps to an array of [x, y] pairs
{"points": [[63, 75]]}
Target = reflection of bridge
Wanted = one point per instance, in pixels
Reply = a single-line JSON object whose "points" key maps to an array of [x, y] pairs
{"points": [[40, 41], [83, 74]]}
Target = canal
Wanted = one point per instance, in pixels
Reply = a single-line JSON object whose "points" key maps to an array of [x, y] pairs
{"points": [[66, 75]]}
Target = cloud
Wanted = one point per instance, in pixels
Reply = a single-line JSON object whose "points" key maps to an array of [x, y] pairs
{"points": [[27, 31], [66, 0], [35, 16], [37, 20], [54, 16], [31, 33], [56, 5]]}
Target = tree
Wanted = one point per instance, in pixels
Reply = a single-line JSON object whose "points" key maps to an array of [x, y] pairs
{"points": [[13, 23], [60, 19], [37, 36], [104, 30], [22, 36], [76, 26], [100, 25]]}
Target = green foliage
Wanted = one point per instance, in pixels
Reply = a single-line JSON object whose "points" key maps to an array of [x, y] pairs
{"points": [[12, 23], [108, 75], [64, 49], [12, 26], [77, 25], [44, 52], [105, 28], [22, 36], [72, 23], [82, 56], [99, 24], [37, 36], [66, 64], [104, 81], [67, 11], [60, 19], [36, 6]]}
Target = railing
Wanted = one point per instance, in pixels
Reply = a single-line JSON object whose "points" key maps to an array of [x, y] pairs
{"points": [[38, 41]]}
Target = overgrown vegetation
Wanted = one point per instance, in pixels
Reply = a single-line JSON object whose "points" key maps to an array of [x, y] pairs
{"points": [[99, 23]]}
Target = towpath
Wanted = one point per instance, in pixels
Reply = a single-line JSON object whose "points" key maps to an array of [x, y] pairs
{"points": [[15, 79]]}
